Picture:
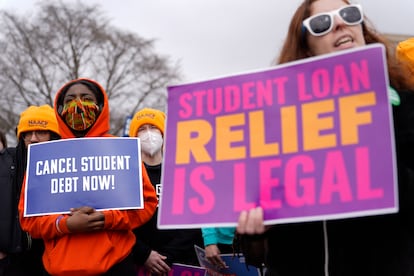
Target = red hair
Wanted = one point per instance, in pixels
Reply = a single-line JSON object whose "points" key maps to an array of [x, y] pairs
{"points": [[295, 46]]}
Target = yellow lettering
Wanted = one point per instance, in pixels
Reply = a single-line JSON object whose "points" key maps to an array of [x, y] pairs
{"points": [[225, 136], [313, 123], [350, 118], [192, 138]]}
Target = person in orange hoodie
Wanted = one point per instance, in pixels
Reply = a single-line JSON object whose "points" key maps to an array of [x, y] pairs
{"points": [[86, 241]]}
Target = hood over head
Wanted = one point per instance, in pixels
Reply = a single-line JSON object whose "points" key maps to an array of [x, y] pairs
{"points": [[102, 124]]}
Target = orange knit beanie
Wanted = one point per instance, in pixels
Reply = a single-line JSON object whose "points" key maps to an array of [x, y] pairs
{"points": [[147, 116], [37, 118], [405, 53]]}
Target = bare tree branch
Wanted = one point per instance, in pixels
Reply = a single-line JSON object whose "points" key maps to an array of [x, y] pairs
{"points": [[63, 41]]}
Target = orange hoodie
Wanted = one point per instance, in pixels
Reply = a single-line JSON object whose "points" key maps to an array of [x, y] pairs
{"points": [[89, 253]]}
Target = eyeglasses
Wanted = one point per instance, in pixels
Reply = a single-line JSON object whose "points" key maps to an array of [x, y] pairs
{"points": [[322, 23], [40, 134]]}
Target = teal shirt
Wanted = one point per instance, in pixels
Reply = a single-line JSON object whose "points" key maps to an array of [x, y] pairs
{"points": [[216, 235]]}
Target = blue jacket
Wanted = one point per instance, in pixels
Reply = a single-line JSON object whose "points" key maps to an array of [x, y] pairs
{"points": [[218, 235]]}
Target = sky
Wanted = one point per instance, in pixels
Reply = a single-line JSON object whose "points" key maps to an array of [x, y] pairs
{"points": [[214, 38]]}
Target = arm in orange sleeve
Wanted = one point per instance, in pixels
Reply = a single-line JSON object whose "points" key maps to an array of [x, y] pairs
{"points": [[39, 226], [45, 226], [130, 219]]}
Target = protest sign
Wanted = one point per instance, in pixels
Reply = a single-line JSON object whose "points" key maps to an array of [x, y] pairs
{"points": [[307, 140], [236, 265], [103, 173], [177, 270]]}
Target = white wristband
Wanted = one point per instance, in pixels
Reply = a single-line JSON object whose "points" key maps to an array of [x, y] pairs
{"points": [[57, 224]]}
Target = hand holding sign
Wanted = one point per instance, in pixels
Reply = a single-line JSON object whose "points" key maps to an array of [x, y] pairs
{"points": [[251, 222], [213, 255], [85, 219]]}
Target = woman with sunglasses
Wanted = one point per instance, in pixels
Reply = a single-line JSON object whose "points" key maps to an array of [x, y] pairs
{"points": [[372, 245]]}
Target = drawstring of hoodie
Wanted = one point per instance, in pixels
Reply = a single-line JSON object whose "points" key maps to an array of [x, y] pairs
{"points": [[326, 247]]}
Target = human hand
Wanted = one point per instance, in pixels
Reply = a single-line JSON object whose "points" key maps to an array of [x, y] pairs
{"points": [[251, 222], [85, 219], [213, 256], [156, 264]]}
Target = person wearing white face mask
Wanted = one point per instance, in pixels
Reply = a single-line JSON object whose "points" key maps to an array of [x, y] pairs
{"points": [[151, 144], [155, 250]]}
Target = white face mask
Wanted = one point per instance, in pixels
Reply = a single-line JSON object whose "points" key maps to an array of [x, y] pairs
{"points": [[151, 142]]}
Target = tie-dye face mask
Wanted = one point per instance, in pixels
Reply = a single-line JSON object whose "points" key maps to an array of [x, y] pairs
{"points": [[80, 115]]}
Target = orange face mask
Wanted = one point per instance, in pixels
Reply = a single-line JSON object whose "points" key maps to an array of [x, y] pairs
{"points": [[80, 115]]}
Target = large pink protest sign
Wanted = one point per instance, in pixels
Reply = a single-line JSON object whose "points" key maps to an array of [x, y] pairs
{"points": [[308, 140]]}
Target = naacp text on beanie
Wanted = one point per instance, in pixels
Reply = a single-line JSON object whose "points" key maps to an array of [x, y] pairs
{"points": [[36, 118], [147, 116]]}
